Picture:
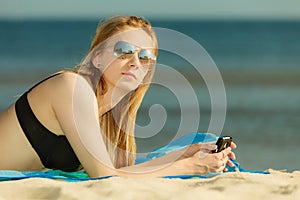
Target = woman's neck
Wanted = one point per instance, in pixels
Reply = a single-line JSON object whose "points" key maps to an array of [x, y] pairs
{"points": [[110, 99], [112, 96]]}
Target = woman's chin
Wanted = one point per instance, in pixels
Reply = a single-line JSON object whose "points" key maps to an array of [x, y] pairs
{"points": [[127, 87]]}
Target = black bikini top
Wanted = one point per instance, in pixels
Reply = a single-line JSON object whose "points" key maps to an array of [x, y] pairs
{"points": [[54, 151]]}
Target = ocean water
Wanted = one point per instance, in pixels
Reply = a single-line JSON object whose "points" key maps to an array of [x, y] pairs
{"points": [[259, 62]]}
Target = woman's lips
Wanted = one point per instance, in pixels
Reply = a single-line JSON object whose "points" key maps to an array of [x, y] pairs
{"points": [[129, 74]]}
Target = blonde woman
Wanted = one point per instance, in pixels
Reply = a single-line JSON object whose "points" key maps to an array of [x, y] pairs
{"points": [[84, 118]]}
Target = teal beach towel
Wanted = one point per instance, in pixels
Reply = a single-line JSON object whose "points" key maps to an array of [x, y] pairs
{"points": [[182, 142]]}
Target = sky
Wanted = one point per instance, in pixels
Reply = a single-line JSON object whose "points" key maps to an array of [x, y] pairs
{"points": [[90, 9]]}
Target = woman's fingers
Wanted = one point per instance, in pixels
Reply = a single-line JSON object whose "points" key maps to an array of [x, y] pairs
{"points": [[227, 151], [233, 145], [203, 147], [232, 155], [229, 154], [222, 165], [224, 153], [209, 143], [208, 147], [191, 149], [230, 163], [216, 162]]}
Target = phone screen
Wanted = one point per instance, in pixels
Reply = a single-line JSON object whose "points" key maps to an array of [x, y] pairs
{"points": [[222, 143]]}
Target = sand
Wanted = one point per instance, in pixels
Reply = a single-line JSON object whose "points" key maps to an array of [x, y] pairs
{"points": [[277, 185]]}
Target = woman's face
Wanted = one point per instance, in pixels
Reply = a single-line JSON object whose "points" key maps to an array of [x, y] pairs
{"points": [[126, 71]]}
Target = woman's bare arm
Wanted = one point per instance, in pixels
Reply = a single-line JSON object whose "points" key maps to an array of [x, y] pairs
{"points": [[75, 106]]}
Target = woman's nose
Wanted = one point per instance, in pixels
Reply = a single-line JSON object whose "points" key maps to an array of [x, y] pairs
{"points": [[135, 60]]}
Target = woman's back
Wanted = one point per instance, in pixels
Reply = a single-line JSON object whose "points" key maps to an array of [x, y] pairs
{"points": [[16, 152]]}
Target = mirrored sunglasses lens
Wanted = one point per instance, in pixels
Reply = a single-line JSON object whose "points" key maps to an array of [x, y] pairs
{"points": [[147, 55], [123, 48]]}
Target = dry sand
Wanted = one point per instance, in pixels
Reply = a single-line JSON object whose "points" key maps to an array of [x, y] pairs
{"points": [[277, 185]]}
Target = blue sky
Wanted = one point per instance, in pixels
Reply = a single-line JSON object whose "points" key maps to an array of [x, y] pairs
{"points": [[224, 9]]}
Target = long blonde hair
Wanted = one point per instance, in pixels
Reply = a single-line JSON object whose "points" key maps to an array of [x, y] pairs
{"points": [[117, 125]]}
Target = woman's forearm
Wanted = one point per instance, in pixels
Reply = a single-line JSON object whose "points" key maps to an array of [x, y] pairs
{"points": [[187, 160], [146, 170], [163, 160], [183, 152], [163, 166], [173, 163]]}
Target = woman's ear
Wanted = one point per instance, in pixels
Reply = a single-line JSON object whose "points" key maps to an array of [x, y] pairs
{"points": [[96, 60]]}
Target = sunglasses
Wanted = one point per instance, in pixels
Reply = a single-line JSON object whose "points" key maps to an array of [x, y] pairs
{"points": [[124, 50]]}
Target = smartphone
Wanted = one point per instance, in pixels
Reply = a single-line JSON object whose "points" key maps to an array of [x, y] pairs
{"points": [[222, 143]]}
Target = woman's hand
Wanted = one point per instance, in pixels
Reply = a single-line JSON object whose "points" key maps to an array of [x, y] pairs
{"points": [[231, 155], [198, 159], [194, 148]]}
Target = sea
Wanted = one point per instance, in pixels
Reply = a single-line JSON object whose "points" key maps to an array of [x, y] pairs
{"points": [[258, 102]]}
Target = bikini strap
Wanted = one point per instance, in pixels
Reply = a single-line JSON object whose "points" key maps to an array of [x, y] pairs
{"points": [[45, 79]]}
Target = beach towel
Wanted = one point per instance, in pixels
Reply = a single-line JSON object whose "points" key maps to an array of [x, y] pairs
{"points": [[177, 144]]}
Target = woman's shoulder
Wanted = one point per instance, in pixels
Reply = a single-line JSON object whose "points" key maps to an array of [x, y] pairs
{"points": [[62, 82], [61, 76], [66, 75], [66, 79], [67, 82], [62, 87]]}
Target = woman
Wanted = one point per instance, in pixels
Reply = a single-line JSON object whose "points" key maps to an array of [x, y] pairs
{"points": [[85, 117]]}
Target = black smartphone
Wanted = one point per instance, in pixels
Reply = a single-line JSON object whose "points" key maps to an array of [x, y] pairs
{"points": [[222, 143]]}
